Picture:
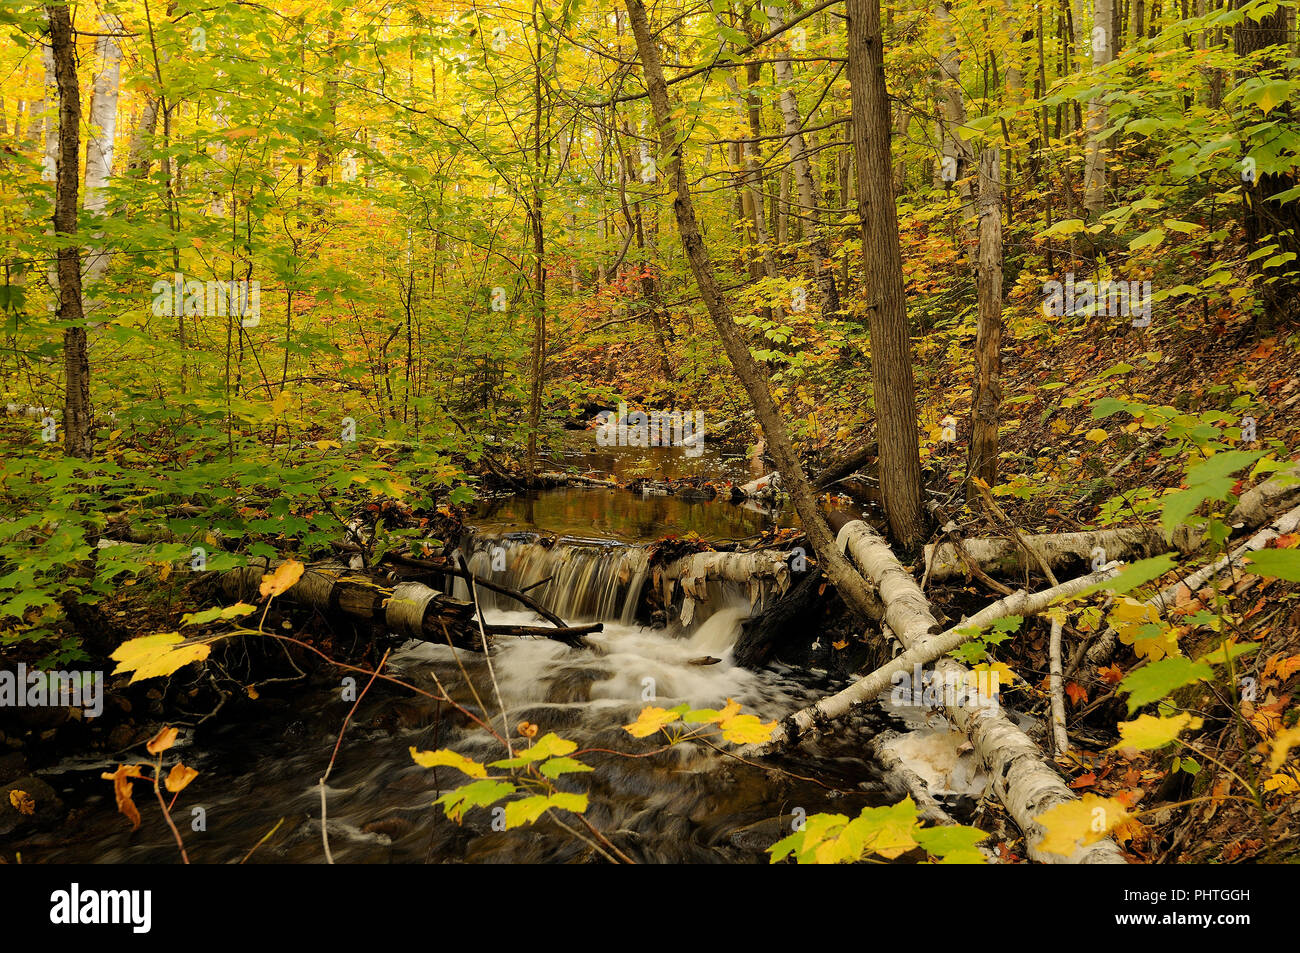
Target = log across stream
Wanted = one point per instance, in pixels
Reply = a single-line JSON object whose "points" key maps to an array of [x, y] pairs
{"points": [[689, 803]]}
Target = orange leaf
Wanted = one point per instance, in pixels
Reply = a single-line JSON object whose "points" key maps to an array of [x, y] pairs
{"points": [[1084, 781], [179, 777], [162, 741], [1111, 674], [283, 579], [121, 779], [1078, 694], [22, 802]]}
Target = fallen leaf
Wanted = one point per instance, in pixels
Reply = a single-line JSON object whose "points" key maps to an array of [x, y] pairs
{"points": [[283, 579]]}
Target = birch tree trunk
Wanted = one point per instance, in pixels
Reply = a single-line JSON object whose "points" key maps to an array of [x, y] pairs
{"points": [[956, 152], [99, 150], [891, 346], [1094, 181], [838, 570], [1015, 73], [754, 195], [1024, 783], [810, 195]]}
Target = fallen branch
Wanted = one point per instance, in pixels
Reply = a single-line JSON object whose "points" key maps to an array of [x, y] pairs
{"points": [[1024, 783], [1167, 597], [1056, 684], [1057, 550]]}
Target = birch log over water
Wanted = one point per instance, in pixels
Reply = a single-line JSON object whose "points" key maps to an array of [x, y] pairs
{"points": [[1024, 783], [692, 574]]}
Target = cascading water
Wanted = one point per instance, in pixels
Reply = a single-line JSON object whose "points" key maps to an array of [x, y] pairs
{"points": [[588, 580], [686, 802]]}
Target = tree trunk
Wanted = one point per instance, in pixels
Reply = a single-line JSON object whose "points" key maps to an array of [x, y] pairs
{"points": [[891, 348], [754, 194], [956, 152], [982, 460], [1265, 219], [137, 163], [1024, 783], [1094, 182], [751, 374], [76, 406], [103, 134], [810, 197]]}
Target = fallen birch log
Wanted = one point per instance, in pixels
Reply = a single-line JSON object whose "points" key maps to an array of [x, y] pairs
{"points": [[411, 609], [903, 781], [1022, 780], [1102, 650], [1057, 550], [1259, 505], [923, 652], [758, 571]]}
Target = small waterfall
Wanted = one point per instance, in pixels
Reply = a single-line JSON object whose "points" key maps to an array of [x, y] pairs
{"points": [[575, 579], [601, 581]]}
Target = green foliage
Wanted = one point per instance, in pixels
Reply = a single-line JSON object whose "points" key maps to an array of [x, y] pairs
{"points": [[886, 832]]}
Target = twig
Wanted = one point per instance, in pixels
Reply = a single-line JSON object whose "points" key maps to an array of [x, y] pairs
{"points": [[487, 655], [324, 834], [265, 838], [1060, 737]]}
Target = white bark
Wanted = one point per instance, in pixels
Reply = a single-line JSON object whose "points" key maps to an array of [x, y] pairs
{"points": [[50, 123], [1094, 180], [1024, 783], [1002, 556], [1258, 505], [99, 148], [757, 571], [810, 195], [953, 106], [1167, 597], [1060, 737]]}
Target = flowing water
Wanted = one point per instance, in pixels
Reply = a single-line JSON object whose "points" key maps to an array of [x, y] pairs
{"points": [[688, 802]]}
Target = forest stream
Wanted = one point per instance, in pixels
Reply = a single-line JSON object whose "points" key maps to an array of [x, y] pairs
{"points": [[688, 803]]}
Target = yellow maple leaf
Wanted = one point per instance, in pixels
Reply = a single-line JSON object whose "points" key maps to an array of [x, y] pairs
{"points": [[1078, 823], [650, 720], [1282, 784], [1282, 745], [159, 655], [432, 759], [283, 579], [747, 730], [1130, 619], [1147, 732]]}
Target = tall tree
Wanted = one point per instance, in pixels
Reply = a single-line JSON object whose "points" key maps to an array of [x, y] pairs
{"points": [[891, 346], [76, 362], [837, 568], [1094, 178], [982, 460], [810, 197]]}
